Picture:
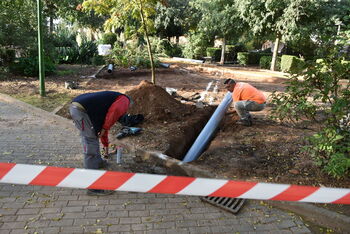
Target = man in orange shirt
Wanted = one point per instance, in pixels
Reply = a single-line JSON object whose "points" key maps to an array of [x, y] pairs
{"points": [[246, 98]]}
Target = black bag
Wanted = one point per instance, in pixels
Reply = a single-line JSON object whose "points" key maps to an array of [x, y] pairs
{"points": [[130, 120]]}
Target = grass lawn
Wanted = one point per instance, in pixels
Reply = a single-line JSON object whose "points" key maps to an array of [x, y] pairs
{"points": [[48, 103]]}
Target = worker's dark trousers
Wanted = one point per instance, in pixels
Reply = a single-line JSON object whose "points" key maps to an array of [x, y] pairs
{"points": [[89, 140], [243, 107]]}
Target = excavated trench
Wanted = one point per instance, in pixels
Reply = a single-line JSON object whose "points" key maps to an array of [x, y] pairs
{"points": [[180, 145]]}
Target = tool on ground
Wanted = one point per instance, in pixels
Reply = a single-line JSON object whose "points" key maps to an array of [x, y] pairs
{"points": [[110, 68], [128, 131], [119, 155]]}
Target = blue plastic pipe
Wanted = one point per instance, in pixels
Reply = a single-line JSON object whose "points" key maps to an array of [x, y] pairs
{"points": [[209, 129]]}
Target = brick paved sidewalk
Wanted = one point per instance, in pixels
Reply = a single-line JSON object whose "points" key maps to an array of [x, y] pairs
{"points": [[36, 138]]}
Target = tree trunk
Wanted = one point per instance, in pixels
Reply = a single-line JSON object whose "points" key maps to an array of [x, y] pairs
{"points": [[275, 54], [177, 39], [51, 25], [148, 43], [223, 50]]}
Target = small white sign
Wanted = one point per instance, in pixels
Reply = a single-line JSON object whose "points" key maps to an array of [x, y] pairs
{"points": [[104, 49]]}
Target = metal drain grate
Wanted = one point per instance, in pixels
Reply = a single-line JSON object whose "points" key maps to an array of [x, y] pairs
{"points": [[230, 204]]}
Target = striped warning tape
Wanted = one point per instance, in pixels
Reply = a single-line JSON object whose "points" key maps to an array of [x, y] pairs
{"points": [[147, 183]]}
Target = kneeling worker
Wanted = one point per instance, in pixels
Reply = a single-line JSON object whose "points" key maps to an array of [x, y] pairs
{"points": [[246, 98], [93, 115]]}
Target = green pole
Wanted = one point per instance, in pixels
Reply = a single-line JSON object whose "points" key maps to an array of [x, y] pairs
{"points": [[40, 51]]}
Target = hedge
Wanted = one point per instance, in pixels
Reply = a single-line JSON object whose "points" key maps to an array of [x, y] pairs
{"points": [[214, 52], [231, 52], [109, 38], [243, 58], [30, 66], [250, 58], [7, 56], [265, 62], [292, 64]]}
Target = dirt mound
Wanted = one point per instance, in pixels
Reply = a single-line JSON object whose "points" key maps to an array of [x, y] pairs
{"points": [[170, 126], [156, 104]]}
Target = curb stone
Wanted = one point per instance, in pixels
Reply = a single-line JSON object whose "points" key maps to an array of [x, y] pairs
{"points": [[317, 215]]}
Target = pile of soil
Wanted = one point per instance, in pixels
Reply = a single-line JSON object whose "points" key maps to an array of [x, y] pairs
{"points": [[156, 104], [169, 126]]}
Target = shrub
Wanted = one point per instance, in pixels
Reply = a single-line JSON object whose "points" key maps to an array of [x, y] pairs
{"points": [[30, 66], [175, 51], [231, 52], [131, 56], [67, 54], [265, 62], [64, 38], [214, 52], [7, 56], [196, 47], [109, 38], [243, 58], [320, 91], [77, 54], [292, 64], [165, 48], [250, 58], [98, 60], [254, 57], [87, 50]]}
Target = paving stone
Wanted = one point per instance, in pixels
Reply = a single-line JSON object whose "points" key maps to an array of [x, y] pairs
{"points": [[71, 209], [177, 231], [129, 220], [156, 232], [286, 224], [164, 225], [119, 228], [8, 218], [61, 223], [74, 229], [95, 229], [39, 224], [300, 230], [27, 217], [139, 213], [199, 230], [93, 208], [78, 203], [118, 214], [50, 210], [97, 214], [186, 223], [13, 225], [28, 211], [142, 227]]}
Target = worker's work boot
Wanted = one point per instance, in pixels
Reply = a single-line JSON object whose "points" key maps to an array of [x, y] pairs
{"points": [[104, 164], [99, 192], [245, 122]]}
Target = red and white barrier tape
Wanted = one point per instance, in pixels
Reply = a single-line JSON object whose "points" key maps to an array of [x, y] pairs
{"points": [[147, 183]]}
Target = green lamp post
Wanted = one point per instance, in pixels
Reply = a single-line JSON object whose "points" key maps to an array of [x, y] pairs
{"points": [[40, 51]]}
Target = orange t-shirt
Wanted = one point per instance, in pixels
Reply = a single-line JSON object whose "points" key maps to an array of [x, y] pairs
{"points": [[244, 91]]}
